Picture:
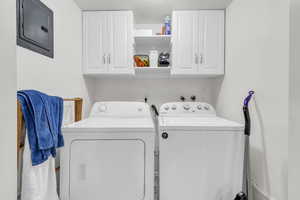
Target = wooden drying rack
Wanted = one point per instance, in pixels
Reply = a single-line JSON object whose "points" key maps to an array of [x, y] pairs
{"points": [[21, 123]]}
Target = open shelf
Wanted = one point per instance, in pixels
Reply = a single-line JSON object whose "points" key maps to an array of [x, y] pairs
{"points": [[153, 40], [153, 36], [152, 72], [153, 69]]}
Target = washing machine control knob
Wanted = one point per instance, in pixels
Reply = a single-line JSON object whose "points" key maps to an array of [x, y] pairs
{"points": [[174, 107], [166, 108], [186, 107], [199, 107], [206, 107]]}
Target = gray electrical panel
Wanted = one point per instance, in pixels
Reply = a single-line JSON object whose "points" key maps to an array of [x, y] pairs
{"points": [[35, 27]]}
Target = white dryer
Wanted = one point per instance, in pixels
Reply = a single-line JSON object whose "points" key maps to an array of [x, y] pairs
{"points": [[201, 155], [109, 155]]}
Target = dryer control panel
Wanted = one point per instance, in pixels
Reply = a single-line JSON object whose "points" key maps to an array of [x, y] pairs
{"points": [[187, 108], [120, 109]]}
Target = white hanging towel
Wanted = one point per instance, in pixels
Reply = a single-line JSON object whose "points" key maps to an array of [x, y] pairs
{"points": [[38, 182]]}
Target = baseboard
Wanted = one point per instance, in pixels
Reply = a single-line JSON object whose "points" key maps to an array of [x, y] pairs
{"points": [[259, 194]]}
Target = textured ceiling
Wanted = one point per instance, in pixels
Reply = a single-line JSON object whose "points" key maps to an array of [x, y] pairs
{"points": [[151, 11]]}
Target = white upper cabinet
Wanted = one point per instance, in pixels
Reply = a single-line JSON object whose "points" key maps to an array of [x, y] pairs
{"points": [[108, 42], [121, 42], [185, 38], [198, 42], [94, 42], [211, 46]]}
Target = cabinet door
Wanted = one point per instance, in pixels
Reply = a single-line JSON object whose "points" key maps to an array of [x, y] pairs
{"points": [[185, 42], [211, 31], [94, 42], [120, 53]]}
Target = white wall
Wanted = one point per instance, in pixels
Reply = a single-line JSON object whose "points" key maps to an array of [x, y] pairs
{"points": [[257, 57], [8, 86], [158, 91], [62, 75], [294, 137]]}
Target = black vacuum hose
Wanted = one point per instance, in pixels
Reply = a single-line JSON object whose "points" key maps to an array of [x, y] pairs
{"points": [[247, 121], [246, 113]]}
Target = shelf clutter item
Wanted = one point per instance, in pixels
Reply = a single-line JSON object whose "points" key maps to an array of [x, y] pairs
{"points": [[153, 58], [164, 59], [167, 26], [141, 60]]}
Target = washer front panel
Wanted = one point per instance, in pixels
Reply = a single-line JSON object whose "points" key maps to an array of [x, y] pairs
{"points": [[199, 165]]}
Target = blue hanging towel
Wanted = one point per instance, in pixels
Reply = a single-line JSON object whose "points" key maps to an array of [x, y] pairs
{"points": [[43, 116]]}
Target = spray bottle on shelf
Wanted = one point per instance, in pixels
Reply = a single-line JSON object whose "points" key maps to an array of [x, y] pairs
{"points": [[167, 25]]}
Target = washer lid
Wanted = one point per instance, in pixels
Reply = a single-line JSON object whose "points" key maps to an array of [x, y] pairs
{"points": [[199, 123]]}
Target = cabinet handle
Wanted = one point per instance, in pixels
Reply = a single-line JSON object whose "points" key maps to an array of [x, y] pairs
{"points": [[201, 58], [103, 58], [109, 58]]}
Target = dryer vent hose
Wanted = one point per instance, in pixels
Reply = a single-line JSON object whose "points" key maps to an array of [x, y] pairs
{"points": [[154, 108]]}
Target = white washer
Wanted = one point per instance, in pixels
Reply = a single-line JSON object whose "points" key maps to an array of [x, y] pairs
{"points": [[201, 155], [109, 155]]}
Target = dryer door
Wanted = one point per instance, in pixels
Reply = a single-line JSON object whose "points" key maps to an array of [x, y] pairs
{"points": [[107, 169]]}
